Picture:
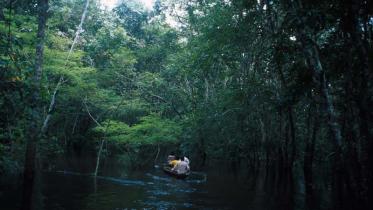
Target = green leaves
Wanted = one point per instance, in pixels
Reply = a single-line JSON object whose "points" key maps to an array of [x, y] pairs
{"points": [[151, 129]]}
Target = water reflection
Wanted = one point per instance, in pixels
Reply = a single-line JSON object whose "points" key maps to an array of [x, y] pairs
{"points": [[155, 190]]}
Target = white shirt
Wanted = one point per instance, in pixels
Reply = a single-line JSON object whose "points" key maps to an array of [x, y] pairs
{"points": [[182, 167], [186, 160]]}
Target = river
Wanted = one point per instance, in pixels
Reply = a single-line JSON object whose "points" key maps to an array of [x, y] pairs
{"points": [[153, 189]]}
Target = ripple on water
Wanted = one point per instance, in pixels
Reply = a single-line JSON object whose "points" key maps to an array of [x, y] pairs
{"points": [[182, 190], [123, 181], [158, 178], [159, 204], [158, 192]]}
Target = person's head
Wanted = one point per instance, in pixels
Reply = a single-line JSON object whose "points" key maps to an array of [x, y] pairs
{"points": [[171, 157]]}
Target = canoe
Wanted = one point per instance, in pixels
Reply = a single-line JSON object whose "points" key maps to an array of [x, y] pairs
{"points": [[167, 170]]}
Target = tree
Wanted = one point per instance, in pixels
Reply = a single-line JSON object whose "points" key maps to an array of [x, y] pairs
{"points": [[34, 132]]}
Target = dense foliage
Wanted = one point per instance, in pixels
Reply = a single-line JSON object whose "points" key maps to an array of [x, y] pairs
{"points": [[277, 84]]}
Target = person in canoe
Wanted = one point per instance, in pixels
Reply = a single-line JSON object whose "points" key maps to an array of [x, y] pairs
{"points": [[177, 167], [172, 160], [181, 165]]}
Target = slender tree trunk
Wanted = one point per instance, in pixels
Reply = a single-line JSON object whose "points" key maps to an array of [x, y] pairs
{"points": [[292, 137], [33, 131], [290, 115], [52, 103], [156, 157], [98, 157], [104, 137], [201, 148], [309, 155]]}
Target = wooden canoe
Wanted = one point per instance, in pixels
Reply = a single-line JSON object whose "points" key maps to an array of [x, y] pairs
{"points": [[167, 170]]}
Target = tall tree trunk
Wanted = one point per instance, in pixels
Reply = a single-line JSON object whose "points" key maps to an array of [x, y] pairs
{"points": [[354, 17], [363, 99], [2, 17], [278, 65], [313, 60], [33, 131], [289, 110], [311, 54], [312, 57]]}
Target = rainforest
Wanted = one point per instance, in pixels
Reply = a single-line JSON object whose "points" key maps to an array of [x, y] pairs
{"points": [[267, 103]]}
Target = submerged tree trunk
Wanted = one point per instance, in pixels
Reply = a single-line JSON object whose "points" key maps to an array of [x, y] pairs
{"points": [[354, 22], [33, 131], [98, 157], [309, 154], [312, 57], [278, 61]]}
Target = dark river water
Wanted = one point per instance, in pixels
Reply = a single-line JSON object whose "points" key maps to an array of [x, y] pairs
{"points": [[153, 189]]}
